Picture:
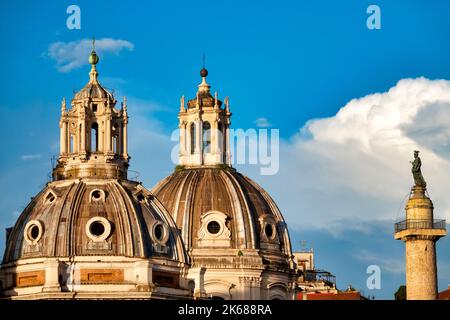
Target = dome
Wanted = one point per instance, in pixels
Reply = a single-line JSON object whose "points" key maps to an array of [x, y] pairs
{"points": [[94, 217], [94, 90], [204, 200]]}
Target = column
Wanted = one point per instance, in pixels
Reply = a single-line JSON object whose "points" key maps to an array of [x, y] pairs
{"points": [[198, 132], [83, 137], [125, 139], [63, 138], [214, 137], [182, 138], [188, 139], [108, 134], [226, 138], [120, 139]]}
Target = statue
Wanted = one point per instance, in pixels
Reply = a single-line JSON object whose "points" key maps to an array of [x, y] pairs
{"points": [[182, 103], [417, 173], [63, 105], [227, 104]]}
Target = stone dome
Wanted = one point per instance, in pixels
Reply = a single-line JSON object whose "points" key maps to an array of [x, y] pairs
{"points": [[95, 91], [94, 217], [220, 202]]}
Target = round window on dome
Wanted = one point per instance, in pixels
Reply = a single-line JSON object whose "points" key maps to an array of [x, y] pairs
{"points": [[96, 195], [159, 232], [33, 231], [269, 230], [213, 227], [98, 229]]}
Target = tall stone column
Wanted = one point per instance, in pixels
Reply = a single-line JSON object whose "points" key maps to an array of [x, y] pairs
{"points": [[420, 232]]}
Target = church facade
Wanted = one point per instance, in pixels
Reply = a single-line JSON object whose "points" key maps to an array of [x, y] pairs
{"points": [[206, 231]]}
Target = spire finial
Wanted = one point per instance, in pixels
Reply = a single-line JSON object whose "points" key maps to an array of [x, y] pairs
{"points": [[203, 72], [93, 57], [182, 103], [227, 104], [63, 105], [216, 105], [124, 104]]}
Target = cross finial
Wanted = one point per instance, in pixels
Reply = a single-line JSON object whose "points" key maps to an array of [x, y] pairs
{"points": [[93, 43]]}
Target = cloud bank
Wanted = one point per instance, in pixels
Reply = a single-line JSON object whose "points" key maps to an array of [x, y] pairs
{"points": [[72, 55], [352, 170]]}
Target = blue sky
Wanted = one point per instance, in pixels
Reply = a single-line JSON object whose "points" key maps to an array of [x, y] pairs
{"points": [[286, 61]]}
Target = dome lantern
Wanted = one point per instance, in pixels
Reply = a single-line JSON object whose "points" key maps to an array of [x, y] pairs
{"points": [[93, 139], [204, 128]]}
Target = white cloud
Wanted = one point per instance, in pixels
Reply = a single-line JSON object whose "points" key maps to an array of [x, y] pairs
{"points": [[262, 123], [29, 157], [352, 169], [347, 172], [71, 55]]}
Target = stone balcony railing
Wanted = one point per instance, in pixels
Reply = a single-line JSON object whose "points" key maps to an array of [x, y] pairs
{"points": [[420, 224]]}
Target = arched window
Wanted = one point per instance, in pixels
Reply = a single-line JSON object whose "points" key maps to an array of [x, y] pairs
{"points": [[94, 137], [206, 137], [192, 136], [71, 144], [115, 143]]}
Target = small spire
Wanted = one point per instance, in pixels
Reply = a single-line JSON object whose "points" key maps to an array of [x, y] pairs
{"points": [[93, 57], [204, 86], [63, 105], [227, 104], [124, 105], [93, 60], [216, 105], [182, 103]]}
